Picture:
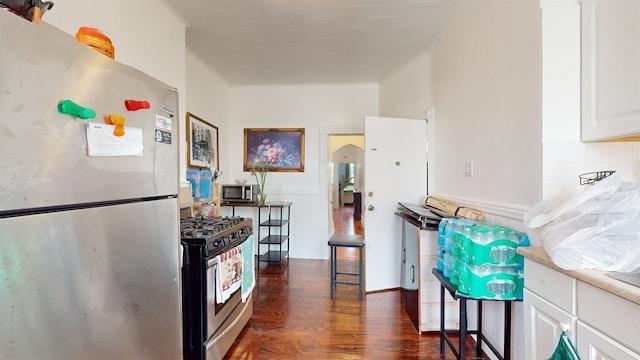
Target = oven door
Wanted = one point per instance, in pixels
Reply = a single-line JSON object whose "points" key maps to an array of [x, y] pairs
{"points": [[217, 313], [224, 321]]}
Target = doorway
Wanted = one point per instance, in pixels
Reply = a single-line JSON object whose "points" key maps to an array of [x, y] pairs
{"points": [[346, 159]]}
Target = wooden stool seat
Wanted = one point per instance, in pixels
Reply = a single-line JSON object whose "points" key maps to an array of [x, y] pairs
{"points": [[352, 241]]}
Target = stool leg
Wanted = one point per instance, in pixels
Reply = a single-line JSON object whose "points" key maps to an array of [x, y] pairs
{"points": [[333, 269], [360, 277]]}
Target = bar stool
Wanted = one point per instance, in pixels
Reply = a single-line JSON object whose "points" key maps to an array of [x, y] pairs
{"points": [[351, 241]]}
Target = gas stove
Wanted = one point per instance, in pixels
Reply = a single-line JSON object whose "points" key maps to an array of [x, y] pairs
{"points": [[211, 321], [216, 234]]}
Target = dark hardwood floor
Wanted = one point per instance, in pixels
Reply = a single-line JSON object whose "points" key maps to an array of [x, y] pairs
{"points": [[294, 317]]}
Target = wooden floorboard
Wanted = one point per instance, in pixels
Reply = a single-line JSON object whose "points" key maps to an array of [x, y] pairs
{"points": [[294, 318]]}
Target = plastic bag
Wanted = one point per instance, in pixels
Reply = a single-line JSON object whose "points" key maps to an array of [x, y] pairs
{"points": [[565, 350], [598, 229]]}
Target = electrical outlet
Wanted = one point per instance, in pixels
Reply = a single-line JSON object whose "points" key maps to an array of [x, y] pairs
{"points": [[468, 168]]}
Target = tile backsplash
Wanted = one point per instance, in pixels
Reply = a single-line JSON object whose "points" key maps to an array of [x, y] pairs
{"points": [[563, 162]]}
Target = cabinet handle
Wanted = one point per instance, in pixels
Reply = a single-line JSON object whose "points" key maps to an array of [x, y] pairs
{"points": [[413, 274], [404, 256], [564, 327]]}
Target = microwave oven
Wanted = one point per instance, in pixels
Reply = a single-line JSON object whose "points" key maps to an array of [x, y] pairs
{"points": [[231, 193]]}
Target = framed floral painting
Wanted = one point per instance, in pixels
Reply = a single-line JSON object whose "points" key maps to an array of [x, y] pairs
{"points": [[275, 149]]}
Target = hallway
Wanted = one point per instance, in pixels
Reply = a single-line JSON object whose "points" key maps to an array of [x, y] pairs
{"points": [[345, 225]]}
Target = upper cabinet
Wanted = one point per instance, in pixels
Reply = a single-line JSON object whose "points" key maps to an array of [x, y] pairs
{"points": [[610, 70]]}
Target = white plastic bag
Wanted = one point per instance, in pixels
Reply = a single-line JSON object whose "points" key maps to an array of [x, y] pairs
{"points": [[599, 229]]}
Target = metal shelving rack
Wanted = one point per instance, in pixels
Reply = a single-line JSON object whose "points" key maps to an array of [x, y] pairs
{"points": [[278, 230]]}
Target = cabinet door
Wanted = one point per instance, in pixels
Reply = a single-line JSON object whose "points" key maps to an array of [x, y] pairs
{"points": [[543, 325], [592, 344], [610, 72]]}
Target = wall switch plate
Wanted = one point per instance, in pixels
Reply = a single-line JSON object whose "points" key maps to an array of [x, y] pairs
{"points": [[468, 168]]}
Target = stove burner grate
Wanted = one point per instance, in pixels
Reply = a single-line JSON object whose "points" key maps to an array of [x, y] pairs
{"points": [[217, 233]]}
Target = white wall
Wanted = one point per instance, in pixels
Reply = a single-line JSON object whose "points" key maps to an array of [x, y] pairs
{"points": [[208, 98], [406, 93], [487, 89], [145, 34], [487, 96], [311, 107]]}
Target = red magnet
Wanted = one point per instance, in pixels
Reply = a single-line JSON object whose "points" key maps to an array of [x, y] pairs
{"points": [[118, 121], [133, 105]]}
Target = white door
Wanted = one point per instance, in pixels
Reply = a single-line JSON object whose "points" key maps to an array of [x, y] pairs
{"points": [[396, 171]]}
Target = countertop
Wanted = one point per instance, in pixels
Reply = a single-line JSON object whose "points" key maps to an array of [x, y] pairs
{"points": [[592, 277]]}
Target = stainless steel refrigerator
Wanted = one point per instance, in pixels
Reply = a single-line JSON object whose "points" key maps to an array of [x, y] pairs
{"points": [[89, 244]]}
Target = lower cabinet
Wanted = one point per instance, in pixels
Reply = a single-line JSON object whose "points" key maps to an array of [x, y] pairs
{"points": [[543, 325], [592, 344], [601, 325]]}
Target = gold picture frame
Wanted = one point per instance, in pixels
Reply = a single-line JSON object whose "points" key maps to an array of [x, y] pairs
{"points": [[281, 149]]}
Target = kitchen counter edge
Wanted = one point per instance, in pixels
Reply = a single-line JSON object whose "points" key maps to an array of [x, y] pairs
{"points": [[591, 277]]}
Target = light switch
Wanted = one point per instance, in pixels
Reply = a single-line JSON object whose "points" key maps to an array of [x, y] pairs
{"points": [[468, 168]]}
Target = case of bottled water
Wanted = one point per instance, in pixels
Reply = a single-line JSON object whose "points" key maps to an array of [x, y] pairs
{"points": [[481, 258]]}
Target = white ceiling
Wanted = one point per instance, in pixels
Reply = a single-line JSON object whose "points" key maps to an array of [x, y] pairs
{"points": [[309, 41]]}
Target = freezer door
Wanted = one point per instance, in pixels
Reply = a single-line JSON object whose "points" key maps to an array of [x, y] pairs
{"points": [[43, 153], [99, 283]]}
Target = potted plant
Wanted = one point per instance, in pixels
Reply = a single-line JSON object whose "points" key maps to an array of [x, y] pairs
{"points": [[259, 170]]}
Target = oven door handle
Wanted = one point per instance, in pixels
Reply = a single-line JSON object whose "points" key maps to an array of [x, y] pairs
{"points": [[211, 273], [212, 341]]}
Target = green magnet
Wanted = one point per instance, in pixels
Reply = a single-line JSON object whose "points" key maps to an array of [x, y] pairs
{"points": [[73, 109]]}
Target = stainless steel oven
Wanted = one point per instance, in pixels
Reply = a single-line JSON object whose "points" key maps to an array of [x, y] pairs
{"points": [[210, 327]]}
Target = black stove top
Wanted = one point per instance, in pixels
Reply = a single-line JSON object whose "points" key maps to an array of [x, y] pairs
{"points": [[217, 234]]}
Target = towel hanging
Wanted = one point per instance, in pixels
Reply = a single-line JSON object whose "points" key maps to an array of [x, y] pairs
{"points": [[565, 349]]}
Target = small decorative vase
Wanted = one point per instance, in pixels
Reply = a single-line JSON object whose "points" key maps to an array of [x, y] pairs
{"points": [[262, 198]]}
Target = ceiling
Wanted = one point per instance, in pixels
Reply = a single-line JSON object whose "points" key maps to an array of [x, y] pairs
{"points": [[309, 41]]}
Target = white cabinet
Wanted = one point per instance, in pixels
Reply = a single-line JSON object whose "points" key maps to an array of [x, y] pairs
{"points": [[549, 308], [544, 323], [593, 344], [600, 324], [610, 71], [605, 317]]}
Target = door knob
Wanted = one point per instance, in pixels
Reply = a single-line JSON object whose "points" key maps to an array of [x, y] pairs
{"points": [[371, 208]]}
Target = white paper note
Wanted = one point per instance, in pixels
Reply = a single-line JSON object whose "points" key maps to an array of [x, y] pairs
{"points": [[102, 142]]}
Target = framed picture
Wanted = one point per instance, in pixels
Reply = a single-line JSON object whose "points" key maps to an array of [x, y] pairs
{"points": [[278, 149], [202, 143]]}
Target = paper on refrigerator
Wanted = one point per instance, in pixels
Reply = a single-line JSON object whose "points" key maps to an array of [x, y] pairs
{"points": [[102, 142]]}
